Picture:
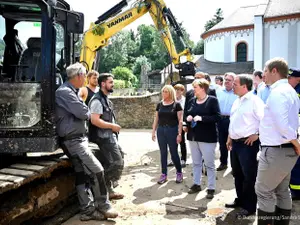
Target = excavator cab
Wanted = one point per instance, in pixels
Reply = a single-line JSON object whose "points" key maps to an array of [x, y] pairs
{"points": [[37, 43]]}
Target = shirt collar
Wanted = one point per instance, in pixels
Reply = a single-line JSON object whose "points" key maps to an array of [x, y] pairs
{"points": [[246, 96], [68, 84], [279, 82], [224, 89]]}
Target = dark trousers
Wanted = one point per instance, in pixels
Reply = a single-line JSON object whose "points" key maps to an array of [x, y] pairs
{"points": [[183, 146], [166, 137], [295, 180], [244, 170], [110, 156], [223, 127]]}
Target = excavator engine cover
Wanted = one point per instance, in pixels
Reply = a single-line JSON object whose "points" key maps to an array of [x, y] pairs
{"points": [[186, 69]]}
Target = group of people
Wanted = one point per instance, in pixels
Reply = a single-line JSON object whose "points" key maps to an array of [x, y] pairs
{"points": [[255, 119], [97, 169]]}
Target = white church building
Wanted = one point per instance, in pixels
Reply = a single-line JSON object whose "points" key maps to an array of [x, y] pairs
{"points": [[250, 36]]}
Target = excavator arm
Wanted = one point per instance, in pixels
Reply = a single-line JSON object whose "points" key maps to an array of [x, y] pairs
{"points": [[114, 20]]}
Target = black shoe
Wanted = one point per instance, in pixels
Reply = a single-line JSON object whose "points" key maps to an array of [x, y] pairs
{"points": [[222, 167], [170, 163], [282, 216], [235, 204], [194, 189], [243, 213], [264, 218], [210, 194]]}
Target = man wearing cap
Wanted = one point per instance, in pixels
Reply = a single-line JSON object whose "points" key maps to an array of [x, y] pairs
{"points": [[294, 81]]}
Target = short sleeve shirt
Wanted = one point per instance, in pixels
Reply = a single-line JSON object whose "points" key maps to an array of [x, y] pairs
{"points": [[167, 114]]}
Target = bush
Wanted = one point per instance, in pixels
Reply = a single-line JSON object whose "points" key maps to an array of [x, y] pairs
{"points": [[126, 75], [119, 84]]}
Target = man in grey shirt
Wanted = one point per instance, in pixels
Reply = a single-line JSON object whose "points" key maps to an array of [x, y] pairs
{"points": [[103, 131], [71, 114]]}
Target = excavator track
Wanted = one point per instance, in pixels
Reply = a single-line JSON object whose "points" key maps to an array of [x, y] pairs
{"points": [[35, 187]]}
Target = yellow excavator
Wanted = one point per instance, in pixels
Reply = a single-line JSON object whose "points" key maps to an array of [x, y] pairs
{"points": [[39, 185], [114, 20]]}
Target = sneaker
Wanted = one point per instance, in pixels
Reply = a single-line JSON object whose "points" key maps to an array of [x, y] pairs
{"points": [[210, 194], [179, 178], [170, 163], [183, 163], [96, 215], [194, 189], [162, 179]]}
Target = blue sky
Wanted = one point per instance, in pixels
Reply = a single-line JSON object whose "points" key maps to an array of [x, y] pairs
{"points": [[193, 13]]}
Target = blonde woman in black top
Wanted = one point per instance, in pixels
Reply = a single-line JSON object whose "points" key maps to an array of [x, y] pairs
{"points": [[168, 126]]}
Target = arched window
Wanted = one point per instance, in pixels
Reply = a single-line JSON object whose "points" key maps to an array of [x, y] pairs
{"points": [[241, 52]]}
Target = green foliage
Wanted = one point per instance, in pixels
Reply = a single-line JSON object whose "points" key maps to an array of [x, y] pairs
{"points": [[218, 17], [119, 84], [125, 74], [199, 48], [137, 66]]}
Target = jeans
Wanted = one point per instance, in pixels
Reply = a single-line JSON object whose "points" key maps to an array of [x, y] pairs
{"points": [[223, 126], [166, 137], [244, 170], [206, 151]]}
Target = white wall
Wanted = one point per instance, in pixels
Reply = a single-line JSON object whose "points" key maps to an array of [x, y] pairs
{"points": [[214, 49], [258, 40], [279, 41], [298, 45], [242, 37]]}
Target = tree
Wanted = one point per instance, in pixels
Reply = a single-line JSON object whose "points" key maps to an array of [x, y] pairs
{"points": [[115, 54], [199, 48], [125, 74], [186, 37], [218, 17], [137, 66]]}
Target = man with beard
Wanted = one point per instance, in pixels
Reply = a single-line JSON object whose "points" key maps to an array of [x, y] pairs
{"points": [[86, 93], [103, 131]]}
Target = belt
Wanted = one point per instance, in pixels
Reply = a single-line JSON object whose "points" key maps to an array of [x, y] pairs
{"points": [[73, 136], [240, 139], [225, 117], [287, 145], [167, 125]]}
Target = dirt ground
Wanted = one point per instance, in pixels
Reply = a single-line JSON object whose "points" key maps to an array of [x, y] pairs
{"points": [[146, 202]]}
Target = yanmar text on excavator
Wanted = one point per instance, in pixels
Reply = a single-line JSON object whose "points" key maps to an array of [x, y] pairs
{"points": [[33, 187]]}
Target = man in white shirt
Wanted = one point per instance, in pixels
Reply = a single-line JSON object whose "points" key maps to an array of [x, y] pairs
{"points": [[280, 146], [246, 114]]}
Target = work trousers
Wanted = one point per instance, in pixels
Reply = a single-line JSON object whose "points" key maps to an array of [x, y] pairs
{"points": [[166, 137], [110, 155], [244, 170], [272, 182], [86, 165]]}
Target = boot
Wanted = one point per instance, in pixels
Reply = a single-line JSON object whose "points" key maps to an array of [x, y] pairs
{"points": [[282, 216], [264, 218]]}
